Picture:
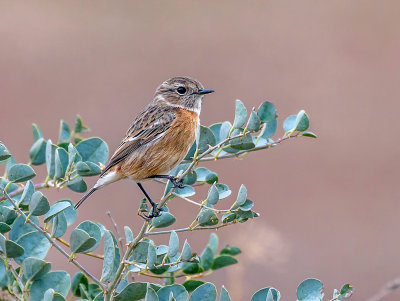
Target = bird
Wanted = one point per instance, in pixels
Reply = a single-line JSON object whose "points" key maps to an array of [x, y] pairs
{"points": [[158, 139]]}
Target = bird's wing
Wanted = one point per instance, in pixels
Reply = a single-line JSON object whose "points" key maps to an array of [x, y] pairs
{"points": [[146, 128]]}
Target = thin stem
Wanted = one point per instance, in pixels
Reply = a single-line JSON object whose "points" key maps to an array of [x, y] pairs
{"points": [[198, 204], [57, 246], [187, 229], [120, 239], [21, 190], [113, 285], [17, 277]]}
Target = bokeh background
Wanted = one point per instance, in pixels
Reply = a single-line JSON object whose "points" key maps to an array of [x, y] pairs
{"points": [[329, 207]]}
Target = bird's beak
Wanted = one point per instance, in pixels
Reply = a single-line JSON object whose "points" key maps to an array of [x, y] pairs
{"points": [[204, 91]]}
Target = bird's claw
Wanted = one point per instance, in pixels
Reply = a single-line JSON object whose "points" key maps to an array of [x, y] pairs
{"points": [[177, 183]]}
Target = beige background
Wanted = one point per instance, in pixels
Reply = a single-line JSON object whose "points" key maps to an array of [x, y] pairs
{"points": [[329, 207]]}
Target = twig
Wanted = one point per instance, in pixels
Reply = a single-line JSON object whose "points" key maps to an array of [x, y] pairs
{"points": [[14, 272], [58, 247], [386, 290], [190, 229], [120, 239], [21, 190], [198, 204]]}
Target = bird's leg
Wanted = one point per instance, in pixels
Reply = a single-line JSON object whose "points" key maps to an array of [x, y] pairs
{"points": [[155, 212], [173, 179]]}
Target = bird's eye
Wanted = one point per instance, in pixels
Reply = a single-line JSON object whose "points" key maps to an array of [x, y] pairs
{"points": [[181, 90]]}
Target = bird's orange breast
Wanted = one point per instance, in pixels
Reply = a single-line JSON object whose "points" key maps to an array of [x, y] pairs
{"points": [[165, 153]]}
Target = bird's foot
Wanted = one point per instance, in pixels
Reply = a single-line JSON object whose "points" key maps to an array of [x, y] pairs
{"points": [[176, 183]]}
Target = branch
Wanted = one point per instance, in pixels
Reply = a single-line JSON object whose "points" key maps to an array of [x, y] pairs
{"points": [[116, 230], [21, 190], [190, 229], [198, 204], [58, 247], [386, 290]]}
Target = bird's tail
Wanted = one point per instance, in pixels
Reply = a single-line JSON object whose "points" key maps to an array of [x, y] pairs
{"points": [[85, 197]]}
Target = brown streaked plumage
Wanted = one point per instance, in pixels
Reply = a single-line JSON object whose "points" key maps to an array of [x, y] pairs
{"points": [[159, 137]]}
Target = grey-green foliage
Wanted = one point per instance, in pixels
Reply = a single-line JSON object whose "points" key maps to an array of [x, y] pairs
{"points": [[30, 223]]}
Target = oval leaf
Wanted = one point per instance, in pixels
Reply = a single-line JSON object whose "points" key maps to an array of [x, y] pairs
{"points": [[21, 173], [240, 114], [93, 149], [205, 292]]}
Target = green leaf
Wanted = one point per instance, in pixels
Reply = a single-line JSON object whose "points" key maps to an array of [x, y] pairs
{"points": [[165, 219], [93, 149], [230, 251], [173, 245], [192, 268], [186, 191], [77, 185], [70, 213], [289, 124], [37, 153], [269, 129], [73, 155], [224, 295], [213, 242], [93, 230], [59, 225], [253, 124], [111, 257], [59, 281], [213, 195], [266, 294], [34, 268], [87, 169], [240, 114], [132, 292], [309, 134], [35, 245], [266, 112], [51, 295], [205, 292], [179, 292], [60, 163], [29, 189], [4, 228], [206, 258], [7, 215], [56, 209], [21, 173], [223, 261], [4, 153], [128, 234], [64, 133], [223, 190], [225, 130], [191, 285], [151, 256], [205, 175], [207, 217], [346, 291], [80, 241], [240, 143], [10, 162], [37, 133], [302, 121], [247, 206], [39, 204], [50, 158], [79, 127], [216, 129], [10, 248], [151, 295], [186, 251], [206, 139], [19, 227], [78, 280], [139, 254], [310, 290], [242, 195]]}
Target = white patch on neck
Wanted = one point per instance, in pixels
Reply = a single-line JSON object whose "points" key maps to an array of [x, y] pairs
{"points": [[196, 109]]}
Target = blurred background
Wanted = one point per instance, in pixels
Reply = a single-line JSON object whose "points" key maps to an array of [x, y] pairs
{"points": [[329, 207]]}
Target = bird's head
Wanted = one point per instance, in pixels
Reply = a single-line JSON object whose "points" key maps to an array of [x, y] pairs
{"points": [[182, 92]]}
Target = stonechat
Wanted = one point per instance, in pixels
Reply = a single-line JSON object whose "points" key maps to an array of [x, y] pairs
{"points": [[159, 137]]}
